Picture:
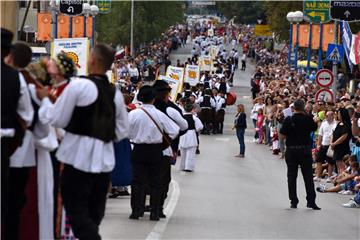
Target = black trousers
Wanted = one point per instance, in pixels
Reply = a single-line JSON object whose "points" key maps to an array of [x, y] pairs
{"points": [[295, 158], [18, 178], [5, 161], [165, 179], [147, 160], [84, 198]]}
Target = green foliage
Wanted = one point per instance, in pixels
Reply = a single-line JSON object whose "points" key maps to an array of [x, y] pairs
{"points": [[276, 12], [151, 19], [245, 11]]}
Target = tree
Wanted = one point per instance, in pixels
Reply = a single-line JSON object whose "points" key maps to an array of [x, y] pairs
{"points": [[276, 12], [151, 19], [247, 12]]}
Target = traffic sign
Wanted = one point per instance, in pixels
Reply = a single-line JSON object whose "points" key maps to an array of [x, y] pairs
{"points": [[71, 7], [345, 10], [316, 11], [324, 78], [324, 95], [104, 6], [335, 53]]}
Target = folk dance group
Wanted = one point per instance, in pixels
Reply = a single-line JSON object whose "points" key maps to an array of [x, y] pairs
{"points": [[66, 126]]}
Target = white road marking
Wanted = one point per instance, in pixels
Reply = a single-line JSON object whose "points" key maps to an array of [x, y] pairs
{"points": [[160, 226], [246, 97], [222, 139]]}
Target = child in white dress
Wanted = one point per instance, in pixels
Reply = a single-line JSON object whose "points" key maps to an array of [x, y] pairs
{"points": [[188, 141]]}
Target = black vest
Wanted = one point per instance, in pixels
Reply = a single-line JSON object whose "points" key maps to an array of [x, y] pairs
{"points": [[190, 120], [10, 94], [206, 102], [33, 103], [98, 119], [222, 87]]}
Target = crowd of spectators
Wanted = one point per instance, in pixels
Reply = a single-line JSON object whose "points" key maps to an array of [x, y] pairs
{"points": [[275, 86]]}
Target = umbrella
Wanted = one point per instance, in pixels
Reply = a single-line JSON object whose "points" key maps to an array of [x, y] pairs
{"points": [[303, 63]]}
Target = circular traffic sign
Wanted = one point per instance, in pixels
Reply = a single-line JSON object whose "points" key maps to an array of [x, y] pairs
{"points": [[324, 95], [324, 78]]}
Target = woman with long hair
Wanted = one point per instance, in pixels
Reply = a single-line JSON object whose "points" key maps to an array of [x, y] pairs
{"points": [[240, 126], [340, 139]]}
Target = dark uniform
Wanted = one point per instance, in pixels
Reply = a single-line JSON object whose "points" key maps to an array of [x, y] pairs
{"points": [[297, 130], [206, 113]]}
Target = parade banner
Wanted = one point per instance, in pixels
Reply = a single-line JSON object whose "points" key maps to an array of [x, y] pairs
{"points": [[176, 73], [192, 74], [75, 48], [63, 26], [304, 30], [44, 26], [214, 51], [174, 84], [205, 63], [262, 30]]}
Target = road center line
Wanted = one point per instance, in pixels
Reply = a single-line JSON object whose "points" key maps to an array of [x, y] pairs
{"points": [[160, 226]]}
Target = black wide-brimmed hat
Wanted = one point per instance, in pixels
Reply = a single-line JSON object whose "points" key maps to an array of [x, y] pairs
{"points": [[146, 94], [6, 38], [161, 85]]}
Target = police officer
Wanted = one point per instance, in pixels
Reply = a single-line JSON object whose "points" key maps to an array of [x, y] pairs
{"points": [[296, 129]]}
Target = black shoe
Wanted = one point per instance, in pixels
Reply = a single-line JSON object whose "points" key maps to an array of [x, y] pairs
{"points": [[162, 214], [154, 216], [319, 189], [197, 151], [134, 215], [293, 205], [313, 206], [114, 195], [124, 193]]}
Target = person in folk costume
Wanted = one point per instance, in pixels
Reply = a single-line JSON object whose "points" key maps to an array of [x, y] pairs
{"points": [[220, 112], [206, 104], [216, 97], [57, 72], [93, 114], [148, 127], [24, 161], [17, 115], [121, 175], [170, 109], [188, 141], [223, 86]]}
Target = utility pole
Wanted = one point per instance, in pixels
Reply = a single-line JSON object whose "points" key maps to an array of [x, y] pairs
{"points": [[132, 29], [335, 67]]}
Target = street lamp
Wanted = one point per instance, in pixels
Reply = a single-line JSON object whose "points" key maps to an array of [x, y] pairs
{"points": [[290, 18], [296, 17], [94, 11], [86, 12]]}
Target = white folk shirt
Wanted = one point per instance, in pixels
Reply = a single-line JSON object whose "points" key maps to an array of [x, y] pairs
{"points": [[180, 121], [24, 156], [82, 152], [326, 130], [142, 130]]}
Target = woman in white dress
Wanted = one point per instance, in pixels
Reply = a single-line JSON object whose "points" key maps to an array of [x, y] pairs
{"points": [[188, 141]]}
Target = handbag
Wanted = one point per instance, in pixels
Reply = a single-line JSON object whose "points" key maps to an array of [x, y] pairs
{"points": [[166, 140], [330, 152]]}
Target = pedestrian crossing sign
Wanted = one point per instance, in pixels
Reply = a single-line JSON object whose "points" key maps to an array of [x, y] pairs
{"points": [[335, 53]]}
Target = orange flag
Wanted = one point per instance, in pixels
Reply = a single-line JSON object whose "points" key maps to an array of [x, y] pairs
{"points": [[63, 26], [89, 26], [78, 27], [328, 35], [44, 26]]}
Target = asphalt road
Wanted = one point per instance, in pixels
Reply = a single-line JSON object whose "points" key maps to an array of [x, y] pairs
{"points": [[232, 198]]}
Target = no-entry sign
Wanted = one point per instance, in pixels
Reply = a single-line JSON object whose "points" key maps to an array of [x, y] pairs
{"points": [[325, 95], [324, 78]]}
